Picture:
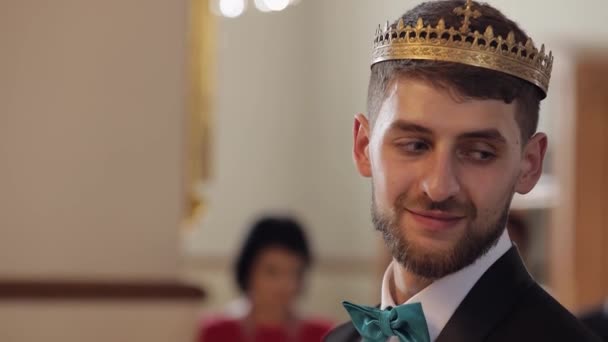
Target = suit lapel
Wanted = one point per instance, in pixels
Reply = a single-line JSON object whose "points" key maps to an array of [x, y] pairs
{"points": [[343, 333], [490, 299]]}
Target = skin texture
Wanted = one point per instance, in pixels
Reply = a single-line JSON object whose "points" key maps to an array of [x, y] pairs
{"points": [[276, 280], [444, 169]]}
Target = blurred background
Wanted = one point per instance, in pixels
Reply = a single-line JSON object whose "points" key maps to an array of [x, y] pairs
{"points": [[140, 139]]}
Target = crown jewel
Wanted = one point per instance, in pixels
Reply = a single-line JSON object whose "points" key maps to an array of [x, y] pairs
{"points": [[504, 54]]}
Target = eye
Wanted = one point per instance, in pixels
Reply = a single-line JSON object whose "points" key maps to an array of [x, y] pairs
{"points": [[413, 146], [271, 270], [480, 155]]}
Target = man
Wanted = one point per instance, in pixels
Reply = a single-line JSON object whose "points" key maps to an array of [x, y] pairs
{"points": [[597, 320], [449, 138]]}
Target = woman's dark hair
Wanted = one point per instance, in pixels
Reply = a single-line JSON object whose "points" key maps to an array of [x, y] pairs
{"points": [[267, 232]]}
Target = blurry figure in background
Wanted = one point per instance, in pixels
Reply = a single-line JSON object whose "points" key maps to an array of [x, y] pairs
{"points": [[270, 272], [597, 320], [519, 229], [519, 233]]}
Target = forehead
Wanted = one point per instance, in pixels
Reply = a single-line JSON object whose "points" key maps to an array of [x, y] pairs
{"points": [[279, 256], [443, 111]]}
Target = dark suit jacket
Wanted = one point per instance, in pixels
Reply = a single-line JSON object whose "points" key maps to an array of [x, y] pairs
{"points": [[597, 321], [505, 305]]}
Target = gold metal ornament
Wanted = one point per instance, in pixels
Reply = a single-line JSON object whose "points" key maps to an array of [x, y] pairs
{"points": [[198, 159], [503, 54]]}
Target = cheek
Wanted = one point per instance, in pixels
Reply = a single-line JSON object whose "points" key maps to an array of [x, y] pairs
{"points": [[396, 175], [292, 285], [262, 284], [391, 178], [489, 190], [256, 285]]}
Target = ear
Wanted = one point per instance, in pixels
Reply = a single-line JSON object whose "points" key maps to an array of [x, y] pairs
{"points": [[361, 134], [532, 163]]}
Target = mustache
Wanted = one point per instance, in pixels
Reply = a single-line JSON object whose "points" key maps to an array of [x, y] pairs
{"points": [[450, 205]]}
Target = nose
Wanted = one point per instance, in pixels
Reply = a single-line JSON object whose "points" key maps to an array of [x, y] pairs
{"points": [[440, 181]]}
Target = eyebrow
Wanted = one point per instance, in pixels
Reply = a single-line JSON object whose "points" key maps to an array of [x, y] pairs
{"points": [[409, 127], [490, 134], [486, 134]]}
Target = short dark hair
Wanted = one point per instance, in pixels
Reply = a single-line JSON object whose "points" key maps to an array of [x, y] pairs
{"points": [[268, 232], [468, 81]]}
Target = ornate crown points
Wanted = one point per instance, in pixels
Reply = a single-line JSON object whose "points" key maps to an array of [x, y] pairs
{"points": [[461, 45]]}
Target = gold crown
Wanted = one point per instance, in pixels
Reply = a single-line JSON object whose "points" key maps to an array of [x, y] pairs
{"points": [[485, 50]]}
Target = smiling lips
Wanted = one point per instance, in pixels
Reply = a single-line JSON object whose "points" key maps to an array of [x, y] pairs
{"points": [[435, 220]]}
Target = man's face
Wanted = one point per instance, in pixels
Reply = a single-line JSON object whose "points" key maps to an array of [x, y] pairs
{"points": [[444, 169]]}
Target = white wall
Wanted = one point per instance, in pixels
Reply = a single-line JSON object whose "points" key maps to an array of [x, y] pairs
{"points": [[92, 101], [261, 104], [92, 109], [95, 321]]}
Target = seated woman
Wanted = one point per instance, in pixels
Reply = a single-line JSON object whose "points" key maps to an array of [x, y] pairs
{"points": [[270, 273]]}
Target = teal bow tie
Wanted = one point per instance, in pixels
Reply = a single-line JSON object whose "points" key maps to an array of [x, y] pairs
{"points": [[406, 321]]}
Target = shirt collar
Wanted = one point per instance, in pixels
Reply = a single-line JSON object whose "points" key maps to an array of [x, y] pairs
{"points": [[440, 299]]}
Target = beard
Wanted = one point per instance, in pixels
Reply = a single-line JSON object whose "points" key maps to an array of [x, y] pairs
{"points": [[479, 235]]}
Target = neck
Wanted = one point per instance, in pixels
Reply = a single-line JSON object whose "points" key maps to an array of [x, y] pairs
{"points": [[269, 316], [405, 284]]}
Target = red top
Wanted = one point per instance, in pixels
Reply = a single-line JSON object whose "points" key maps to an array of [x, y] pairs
{"points": [[234, 330]]}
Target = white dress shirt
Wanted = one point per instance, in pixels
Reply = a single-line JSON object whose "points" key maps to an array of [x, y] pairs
{"points": [[440, 299]]}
